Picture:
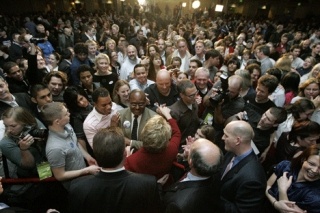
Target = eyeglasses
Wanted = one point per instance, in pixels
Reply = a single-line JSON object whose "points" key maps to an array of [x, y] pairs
{"points": [[192, 95]]}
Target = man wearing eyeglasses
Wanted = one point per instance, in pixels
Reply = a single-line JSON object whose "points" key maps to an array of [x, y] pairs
{"points": [[134, 118], [185, 110]]}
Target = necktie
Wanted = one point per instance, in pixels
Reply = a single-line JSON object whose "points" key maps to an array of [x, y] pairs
{"points": [[134, 135], [229, 166]]}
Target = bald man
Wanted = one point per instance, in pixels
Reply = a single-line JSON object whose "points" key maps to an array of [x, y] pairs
{"points": [[243, 180], [162, 92], [198, 191]]}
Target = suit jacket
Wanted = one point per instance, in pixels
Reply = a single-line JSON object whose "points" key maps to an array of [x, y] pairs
{"points": [[121, 191], [188, 120], [243, 187], [125, 115], [22, 99], [192, 196]]}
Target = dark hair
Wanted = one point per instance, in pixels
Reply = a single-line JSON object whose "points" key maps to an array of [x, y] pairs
{"points": [[264, 49], [199, 63], [137, 66], [99, 92], [301, 105], [183, 85], [57, 74], [84, 68], [234, 60], [290, 82], [8, 65], [208, 131], [66, 53], [70, 97], [269, 81], [108, 147], [295, 46], [211, 54], [303, 130], [36, 88], [275, 72], [201, 167], [279, 113], [80, 48]]}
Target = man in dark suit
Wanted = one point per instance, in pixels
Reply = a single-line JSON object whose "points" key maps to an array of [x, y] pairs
{"points": [[137, 109], [185, 110], [8, 100], [243, 180], [198, 191], [113, 189]]}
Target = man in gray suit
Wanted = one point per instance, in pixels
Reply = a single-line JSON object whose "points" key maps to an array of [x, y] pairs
{"points": [[134, 118]]}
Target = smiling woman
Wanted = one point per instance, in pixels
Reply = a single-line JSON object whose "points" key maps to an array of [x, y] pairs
{"points": [[297, 181]]}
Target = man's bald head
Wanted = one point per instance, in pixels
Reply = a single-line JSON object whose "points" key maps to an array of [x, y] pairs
{"points": [[205, 157], [163, 82], [241, 129]]}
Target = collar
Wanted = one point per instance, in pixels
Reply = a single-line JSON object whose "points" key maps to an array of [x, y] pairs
{"points": [[191, 177], [101, 116], [112, 170], [237, 159]]}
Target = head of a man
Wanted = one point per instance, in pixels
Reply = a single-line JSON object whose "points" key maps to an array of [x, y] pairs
{"points": [[267, 84], [84, 73], [201, 77], [213, 57], [13, 71], [5, 94], [182, 46], [163, 82], [272, 118], [237, 137], [40, 95], [137, 101], [205, 158], [140, 74], [161, 45], [55, 114], [193, 66], [132, 52], [234, 86], [188, 92], [109, 147], [81, 51], [56, 81], [102, 101]]}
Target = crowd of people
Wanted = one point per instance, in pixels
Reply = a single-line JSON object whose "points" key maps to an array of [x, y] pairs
{"points": [[132, 113]]}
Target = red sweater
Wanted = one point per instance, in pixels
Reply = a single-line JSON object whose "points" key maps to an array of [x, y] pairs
{"points": [[156, 164]]}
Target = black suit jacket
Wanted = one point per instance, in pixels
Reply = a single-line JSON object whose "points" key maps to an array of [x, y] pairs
{"points": [[122, 191], [22, 99], [242, 188], [192, 196]]}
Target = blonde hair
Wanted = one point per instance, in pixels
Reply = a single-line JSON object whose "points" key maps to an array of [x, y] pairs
{"points": [[156, 134], [99, 57]]}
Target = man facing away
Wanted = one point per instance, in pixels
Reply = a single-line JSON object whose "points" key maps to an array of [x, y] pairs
{"points": [[113, 189]]}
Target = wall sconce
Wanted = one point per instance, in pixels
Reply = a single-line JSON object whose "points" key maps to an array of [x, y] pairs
{"points": [[264, 7], [109, 2], [219, 8], [233, 5], [142, 2], [184, 4], [122, 0], [77, 2], [196, 4]]}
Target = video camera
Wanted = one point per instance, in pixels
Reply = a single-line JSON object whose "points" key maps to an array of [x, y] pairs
{"points": [[223, 92]]}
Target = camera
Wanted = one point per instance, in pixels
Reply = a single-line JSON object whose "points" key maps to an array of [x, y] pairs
{"points": [[223, 92], [34, 132], [37, 40]]}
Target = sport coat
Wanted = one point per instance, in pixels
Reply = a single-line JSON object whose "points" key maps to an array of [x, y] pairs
{"points": [[242, 188], [120, 191], [125, 116], [192, 196]]}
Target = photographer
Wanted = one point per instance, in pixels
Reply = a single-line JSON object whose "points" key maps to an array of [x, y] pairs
{"points": [[18, 145], [226, 103]]}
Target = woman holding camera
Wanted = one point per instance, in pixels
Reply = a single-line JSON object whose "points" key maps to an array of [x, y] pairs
{"points": [[18, 145]]}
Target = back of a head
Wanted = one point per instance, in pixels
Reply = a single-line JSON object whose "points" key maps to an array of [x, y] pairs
{"points": [[156, 134], [109, 147], [51, 111], [243, 130], [205, 157]]}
